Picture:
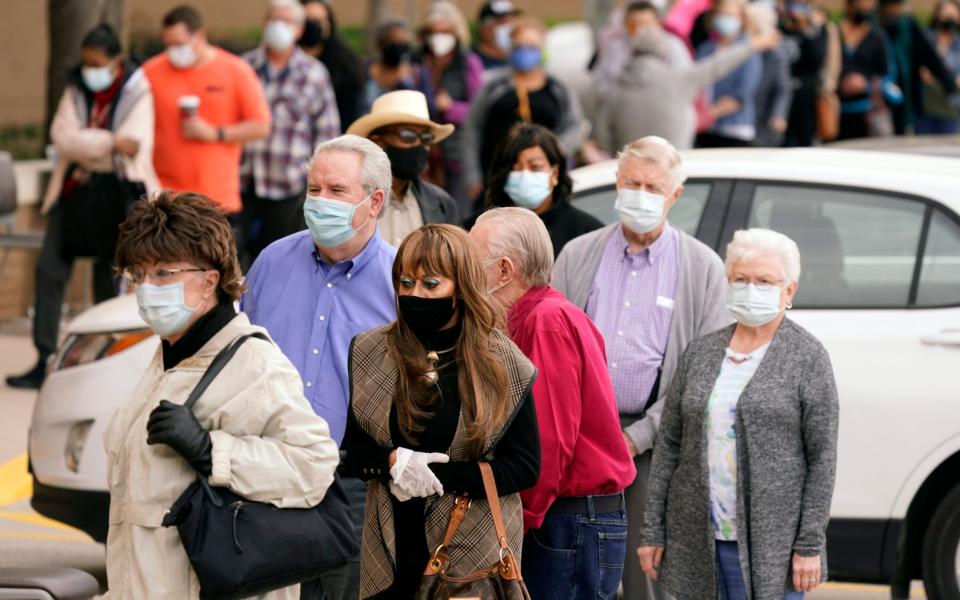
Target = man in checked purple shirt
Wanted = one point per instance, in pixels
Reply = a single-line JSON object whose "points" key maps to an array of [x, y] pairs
{"points": [[273, 173], [315, 290], [651, 289]]}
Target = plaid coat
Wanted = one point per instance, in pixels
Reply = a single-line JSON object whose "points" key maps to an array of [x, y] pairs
{"points": [[373, 377]]}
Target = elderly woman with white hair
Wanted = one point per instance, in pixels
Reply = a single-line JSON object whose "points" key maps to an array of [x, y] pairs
{"points": [[744, 466]]}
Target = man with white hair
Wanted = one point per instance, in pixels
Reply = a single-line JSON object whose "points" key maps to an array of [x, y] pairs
{"points": [[297, 86], [651, 289], [584, 466], [317, 289]]}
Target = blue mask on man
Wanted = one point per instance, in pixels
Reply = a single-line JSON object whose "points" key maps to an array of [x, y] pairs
{"points": [[331, 221], [526, 58]]}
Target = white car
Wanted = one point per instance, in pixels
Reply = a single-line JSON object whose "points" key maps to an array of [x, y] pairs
{"points": [[879, 236]]}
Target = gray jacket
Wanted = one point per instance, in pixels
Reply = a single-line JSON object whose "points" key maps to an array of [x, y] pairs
{"points": [[699, 305], [786, 427], [653, 97]]}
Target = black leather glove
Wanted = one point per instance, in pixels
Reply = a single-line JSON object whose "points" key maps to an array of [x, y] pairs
{"points": [[174, 425]]}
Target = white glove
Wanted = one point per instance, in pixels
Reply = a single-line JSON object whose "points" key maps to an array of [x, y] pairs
{"points": [[411, 474]]}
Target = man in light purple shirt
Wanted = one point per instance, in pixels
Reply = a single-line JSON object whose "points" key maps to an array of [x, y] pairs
{"points": [[651, 289], [317, 289]]}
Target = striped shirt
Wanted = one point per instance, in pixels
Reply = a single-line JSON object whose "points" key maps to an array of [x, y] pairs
{"points": [[722, 439], [304, 112], [631, 302]]}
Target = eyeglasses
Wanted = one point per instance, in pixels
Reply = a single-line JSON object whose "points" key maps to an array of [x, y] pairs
{"points": [[409, 137], [741, 283], [160, 276]]}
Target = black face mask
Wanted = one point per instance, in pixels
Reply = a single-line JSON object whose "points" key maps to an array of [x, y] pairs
{"points": [[407, 163], [425, 316], [393, 54], [947, 26], [859, 17]]}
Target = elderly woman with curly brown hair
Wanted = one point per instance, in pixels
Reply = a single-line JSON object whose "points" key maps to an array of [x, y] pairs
{"points": [[251, 431], [432, 395]]}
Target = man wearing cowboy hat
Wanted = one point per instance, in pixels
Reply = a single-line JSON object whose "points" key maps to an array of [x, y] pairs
{"points": [[399, 122]]}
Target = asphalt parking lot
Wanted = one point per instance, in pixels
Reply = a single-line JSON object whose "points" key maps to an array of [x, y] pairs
{"points": [[30, 540]]}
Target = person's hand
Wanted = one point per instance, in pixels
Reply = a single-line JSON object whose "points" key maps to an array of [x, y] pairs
{"points": [[125, 146], [650, 559], [778, 124], [806, 572], [196, 128], [926, 76], [724, 106], [443, 101], [765, 40], [412, 476], [176, 426], [631, 447], [853, 84], [474, 190]]}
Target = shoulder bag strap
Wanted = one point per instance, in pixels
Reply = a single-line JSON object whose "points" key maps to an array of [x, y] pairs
{"points": [[493, 499], [217, 365], [523, 101]]}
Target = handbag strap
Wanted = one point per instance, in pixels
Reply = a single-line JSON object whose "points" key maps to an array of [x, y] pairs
{"points": [[217, 365], [493, 499]]}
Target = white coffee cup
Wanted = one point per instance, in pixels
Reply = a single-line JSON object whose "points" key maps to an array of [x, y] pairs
{"points": [[189, 105]]}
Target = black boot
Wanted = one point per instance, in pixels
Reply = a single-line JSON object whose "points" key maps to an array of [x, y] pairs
{"points": [[32, 379]]}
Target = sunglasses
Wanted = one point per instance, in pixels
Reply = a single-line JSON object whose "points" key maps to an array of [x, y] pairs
{"points": [[409, 136]]}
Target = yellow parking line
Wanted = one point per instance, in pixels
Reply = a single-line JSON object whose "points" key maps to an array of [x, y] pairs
{"points": [[15, 482]]}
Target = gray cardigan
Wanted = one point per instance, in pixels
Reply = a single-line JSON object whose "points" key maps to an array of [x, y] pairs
{"points": [[786, 427], [699, 305]]}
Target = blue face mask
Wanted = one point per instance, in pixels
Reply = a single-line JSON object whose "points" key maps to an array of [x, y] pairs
{"points": [[163, 308], [528, 189], [331, 221], [726, 26], [525, 58]]}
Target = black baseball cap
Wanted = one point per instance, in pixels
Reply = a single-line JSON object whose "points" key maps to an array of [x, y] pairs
{"points": [[496, 9]]}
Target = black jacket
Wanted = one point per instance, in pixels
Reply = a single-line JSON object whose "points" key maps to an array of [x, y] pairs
{"points": [[436, 205]]}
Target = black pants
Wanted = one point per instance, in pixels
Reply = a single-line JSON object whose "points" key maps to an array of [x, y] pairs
{"points": [[716, 140], [265, 221], [802, 123], [53, 273], [853, 126]]}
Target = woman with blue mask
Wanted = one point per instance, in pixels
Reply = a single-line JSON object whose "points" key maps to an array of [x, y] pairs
{"points": [[732, 98], [102, 134], [252, 430], [753, 414], [530, 171], [524, 93]]}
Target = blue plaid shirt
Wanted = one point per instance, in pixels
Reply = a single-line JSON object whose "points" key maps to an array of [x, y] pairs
{"points": [[304, 112]]}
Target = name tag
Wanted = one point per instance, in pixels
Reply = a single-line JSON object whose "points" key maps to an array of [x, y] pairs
{"points": [[665, 302]]}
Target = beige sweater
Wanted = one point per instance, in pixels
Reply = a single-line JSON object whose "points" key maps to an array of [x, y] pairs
{"points": [[92, 148]]}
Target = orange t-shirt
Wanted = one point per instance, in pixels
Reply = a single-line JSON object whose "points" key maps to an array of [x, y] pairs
{"points": [[229, 93]]}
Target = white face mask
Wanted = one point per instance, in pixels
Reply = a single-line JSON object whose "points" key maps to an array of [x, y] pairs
{"points": [[164, 308], [640, 211], [442, 44], [279, 35], [182, 56], [495, 288], [97, 79], [753, 306]]}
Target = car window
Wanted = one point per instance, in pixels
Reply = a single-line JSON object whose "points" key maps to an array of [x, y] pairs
{"points": [[857, 248], [940, 273], [684, 215]]}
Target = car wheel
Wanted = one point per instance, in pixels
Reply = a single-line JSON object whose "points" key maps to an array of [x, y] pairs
{"points": [[941, 550]]}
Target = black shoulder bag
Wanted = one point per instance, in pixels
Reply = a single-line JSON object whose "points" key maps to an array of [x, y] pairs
{"points": [[240, 548]]}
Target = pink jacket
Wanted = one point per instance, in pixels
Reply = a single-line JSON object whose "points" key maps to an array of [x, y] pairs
{"points": [[92, 148]]}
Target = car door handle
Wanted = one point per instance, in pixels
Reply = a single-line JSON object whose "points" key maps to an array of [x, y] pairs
{"points": [[947, 337]]}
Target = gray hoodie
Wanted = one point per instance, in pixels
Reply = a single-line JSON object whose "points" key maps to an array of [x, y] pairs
{"points": [[652, 97]]}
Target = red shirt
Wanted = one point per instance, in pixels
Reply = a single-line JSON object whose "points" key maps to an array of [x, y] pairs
{"points": [[582, 452]]}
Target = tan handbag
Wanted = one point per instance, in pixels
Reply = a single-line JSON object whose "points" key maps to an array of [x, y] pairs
{"points": [[500, 581], [828, 117]]}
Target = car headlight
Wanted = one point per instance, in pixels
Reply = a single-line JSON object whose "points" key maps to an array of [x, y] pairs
{"points": [[83, 348], [76, 439]]}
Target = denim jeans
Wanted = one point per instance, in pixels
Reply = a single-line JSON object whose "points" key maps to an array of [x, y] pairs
{"points": [[576, 556], [730, 577], [342, 583]]}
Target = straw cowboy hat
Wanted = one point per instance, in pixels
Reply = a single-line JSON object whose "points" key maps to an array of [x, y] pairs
{"points": [[404, 106]]}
